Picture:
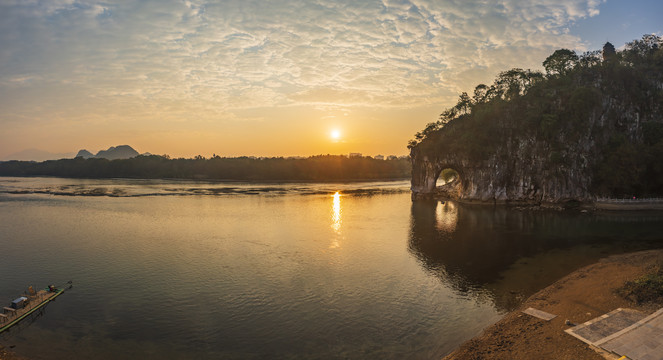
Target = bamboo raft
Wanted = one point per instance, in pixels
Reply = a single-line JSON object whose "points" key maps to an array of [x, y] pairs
{"points": [[23, 306]]}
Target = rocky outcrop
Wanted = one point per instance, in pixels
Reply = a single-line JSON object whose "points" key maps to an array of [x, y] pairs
{"points": [[518, 173], [599, 134]]}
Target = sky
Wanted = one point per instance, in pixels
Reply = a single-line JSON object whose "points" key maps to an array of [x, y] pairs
{"points": [[271, 78]]}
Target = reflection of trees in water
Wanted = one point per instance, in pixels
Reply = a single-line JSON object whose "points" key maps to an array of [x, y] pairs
{"points": [[470, 247]]}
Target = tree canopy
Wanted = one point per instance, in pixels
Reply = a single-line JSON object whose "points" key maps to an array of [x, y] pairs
{"points": [[560, 62]]}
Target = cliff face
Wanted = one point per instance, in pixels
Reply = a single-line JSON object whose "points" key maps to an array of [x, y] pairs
{"points": [[596, 132], [519, 171]]}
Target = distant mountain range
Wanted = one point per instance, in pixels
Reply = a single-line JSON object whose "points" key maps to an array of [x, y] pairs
{"points": [[112, 153]]}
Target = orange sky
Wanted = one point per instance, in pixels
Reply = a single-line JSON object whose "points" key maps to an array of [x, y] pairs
{"points": [[270, 78]]}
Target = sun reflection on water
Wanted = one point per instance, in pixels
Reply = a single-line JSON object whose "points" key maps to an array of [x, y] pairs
{"points": [[336, 219], [446, 216]]}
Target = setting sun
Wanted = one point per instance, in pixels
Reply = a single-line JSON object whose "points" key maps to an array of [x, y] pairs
{"points": [[335, 134]]}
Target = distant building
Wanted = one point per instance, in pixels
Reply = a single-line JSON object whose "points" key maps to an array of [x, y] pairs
{"points": [[608, 51], [379, 157], [355, 155]]}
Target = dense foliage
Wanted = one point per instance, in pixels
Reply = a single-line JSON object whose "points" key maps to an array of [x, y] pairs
{"points": [[609, 100], [315, 168]]}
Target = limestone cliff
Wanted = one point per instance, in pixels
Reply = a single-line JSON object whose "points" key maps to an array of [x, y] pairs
{"points": [[520, 169], [594, 130]]}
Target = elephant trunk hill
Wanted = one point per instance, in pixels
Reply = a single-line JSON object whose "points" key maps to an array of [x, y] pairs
{"points": [[591, 127]]}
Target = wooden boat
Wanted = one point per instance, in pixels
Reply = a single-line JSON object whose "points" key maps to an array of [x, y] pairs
{"points": [[25, 305]]}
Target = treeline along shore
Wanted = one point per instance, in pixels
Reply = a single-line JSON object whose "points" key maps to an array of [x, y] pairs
{"points": [[314, 168]]}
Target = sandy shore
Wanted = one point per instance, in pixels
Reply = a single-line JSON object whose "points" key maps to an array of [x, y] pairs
{"points": [[581, 296]]}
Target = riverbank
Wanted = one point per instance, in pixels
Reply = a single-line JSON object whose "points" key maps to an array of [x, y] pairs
{"points": [[584, 205], [581, 296], [656, 204]]}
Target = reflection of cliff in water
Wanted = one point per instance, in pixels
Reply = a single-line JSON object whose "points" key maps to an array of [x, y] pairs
{"points": [[511, 253]]}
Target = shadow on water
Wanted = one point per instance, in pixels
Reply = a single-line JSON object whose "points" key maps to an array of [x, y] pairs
{"points": [[513, 253], [18, 328]]}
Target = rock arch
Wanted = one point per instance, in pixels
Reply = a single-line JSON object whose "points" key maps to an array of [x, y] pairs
{"points": [[449, 183], [503, 177], [426, 171]]}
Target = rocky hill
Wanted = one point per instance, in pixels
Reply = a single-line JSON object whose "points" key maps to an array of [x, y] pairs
{"points": [[113, 153], [592, 126], [84, 154]]}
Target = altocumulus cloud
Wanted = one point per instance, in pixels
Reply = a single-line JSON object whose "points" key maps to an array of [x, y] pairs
{"points": [[220, 57]]}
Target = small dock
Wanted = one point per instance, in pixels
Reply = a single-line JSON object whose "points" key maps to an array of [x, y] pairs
{"points": [[34, 301]]}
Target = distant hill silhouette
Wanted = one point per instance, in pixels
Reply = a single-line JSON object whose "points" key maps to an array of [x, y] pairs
{"points": [[84, 154], [37, 155], [113, 153]]}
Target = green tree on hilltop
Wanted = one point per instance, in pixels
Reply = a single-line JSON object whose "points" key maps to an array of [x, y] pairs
{"points": [[560, 62]]}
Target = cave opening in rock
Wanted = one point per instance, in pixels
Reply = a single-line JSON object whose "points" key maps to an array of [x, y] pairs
{"points": [[447, 176], [447, 184]]}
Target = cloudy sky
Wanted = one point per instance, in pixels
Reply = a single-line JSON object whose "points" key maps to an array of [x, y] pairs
{"points": [[271, 78]]}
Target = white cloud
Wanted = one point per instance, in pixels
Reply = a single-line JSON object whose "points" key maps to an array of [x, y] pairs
{"points": [[240, 54]]}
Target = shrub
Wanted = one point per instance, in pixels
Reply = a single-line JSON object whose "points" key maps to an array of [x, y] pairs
{"points": [[646, 289]]}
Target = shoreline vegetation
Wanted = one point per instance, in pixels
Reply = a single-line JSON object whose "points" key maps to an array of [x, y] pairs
{"points": [[320, 168], [585, 294]]}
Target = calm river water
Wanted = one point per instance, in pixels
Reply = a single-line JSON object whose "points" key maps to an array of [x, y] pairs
{"points": [[191, 270]]}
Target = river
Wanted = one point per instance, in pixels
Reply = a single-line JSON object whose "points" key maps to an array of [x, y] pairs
{"points": [[200, 270]]}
